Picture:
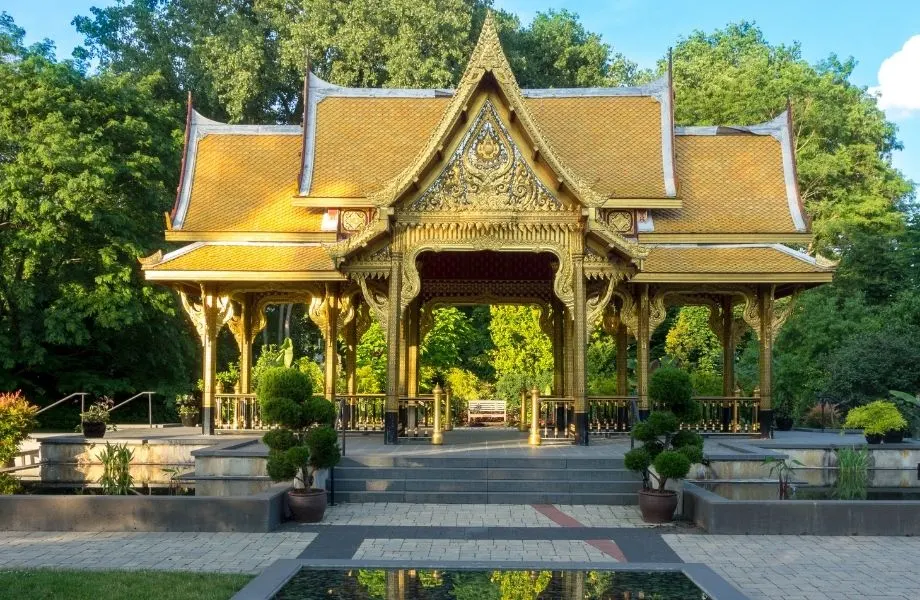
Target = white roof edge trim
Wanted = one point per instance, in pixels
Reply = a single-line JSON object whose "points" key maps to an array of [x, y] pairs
{"points": [[199, 128], [653, 88], [777, 127], [179, 252], [645, 227], [667, 137], [196, 245]]}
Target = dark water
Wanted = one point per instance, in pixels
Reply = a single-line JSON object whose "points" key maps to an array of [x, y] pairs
{"points": [[411, 584]]}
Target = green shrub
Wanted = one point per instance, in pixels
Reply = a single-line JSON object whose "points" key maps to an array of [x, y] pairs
{"points": [[671, 389], [666, 452], [852, 474], [876, 418], [283, 382], [17, 419], [116, 469], [671, 464], [819, 417]]}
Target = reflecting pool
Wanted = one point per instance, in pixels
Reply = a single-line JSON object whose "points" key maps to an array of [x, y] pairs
{"points": [[412, 584]]}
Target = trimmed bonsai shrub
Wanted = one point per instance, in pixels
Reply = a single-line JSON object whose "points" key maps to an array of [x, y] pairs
{"points": [[667, 452], [876, 418], [305, 440]]}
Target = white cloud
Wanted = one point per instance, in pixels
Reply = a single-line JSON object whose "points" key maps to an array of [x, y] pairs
{"points": [[898, 86]]}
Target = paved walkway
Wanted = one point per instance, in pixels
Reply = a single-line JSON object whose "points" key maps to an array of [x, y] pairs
{"points": [[780, 567]]}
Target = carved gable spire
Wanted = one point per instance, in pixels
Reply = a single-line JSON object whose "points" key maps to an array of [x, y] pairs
{"points": [[488, 58]]}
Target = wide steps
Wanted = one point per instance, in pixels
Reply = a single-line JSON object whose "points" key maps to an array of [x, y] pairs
{"points": [[485, 480]]}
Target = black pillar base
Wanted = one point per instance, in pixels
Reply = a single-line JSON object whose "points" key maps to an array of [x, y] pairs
{"points": [[581, 428], [207, 420], [390, 435], [727, 419], [766, 423], [643, 414]]}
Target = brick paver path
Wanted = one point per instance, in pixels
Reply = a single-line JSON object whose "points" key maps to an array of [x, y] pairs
{"points": [[781, 567], [214, 552]]}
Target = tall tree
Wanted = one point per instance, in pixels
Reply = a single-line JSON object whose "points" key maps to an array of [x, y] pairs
{"points": [[86, 170], [843, 142]]}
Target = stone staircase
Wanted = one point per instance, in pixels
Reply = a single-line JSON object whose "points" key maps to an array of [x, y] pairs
{"points": [[468, 480]]}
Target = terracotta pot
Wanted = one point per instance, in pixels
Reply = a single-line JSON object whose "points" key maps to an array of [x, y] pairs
{"points": [[93, 430], [307, 506], [874, 438], [657, 507], [189, 420], [783, 423]]}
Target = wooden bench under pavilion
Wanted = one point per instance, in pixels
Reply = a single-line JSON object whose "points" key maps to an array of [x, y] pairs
{"points": [[588, 203]]}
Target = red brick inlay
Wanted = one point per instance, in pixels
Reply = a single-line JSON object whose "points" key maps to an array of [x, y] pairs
{"points": [[608, 547]]}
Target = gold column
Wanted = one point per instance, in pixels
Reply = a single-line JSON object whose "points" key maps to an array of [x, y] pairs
{"points": [[568, 334], [558, 350], [765, 301], [412, 348], [522, 426], [244, 341], [331, 337], [622, 364], [728, 347], [351, 349], [393, 328], [642, 350], [437, 437], [534, 439], [579, 347], [448, 416]]}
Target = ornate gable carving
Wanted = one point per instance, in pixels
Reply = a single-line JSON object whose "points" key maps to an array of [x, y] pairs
{"points": [[487, 173]]}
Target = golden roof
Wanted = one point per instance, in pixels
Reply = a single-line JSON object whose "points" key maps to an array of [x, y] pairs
{"points": [[242, 261], [730, 262]]}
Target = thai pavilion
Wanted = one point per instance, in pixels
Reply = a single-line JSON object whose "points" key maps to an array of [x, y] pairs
{"points": [[589, 203]]}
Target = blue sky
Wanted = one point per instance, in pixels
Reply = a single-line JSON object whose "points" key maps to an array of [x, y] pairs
{"points": [[643, 30]]}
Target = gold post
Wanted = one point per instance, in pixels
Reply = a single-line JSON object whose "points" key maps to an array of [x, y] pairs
{"points": [[331, 336], [735, 426], [437, 438], [534, 439], [642, 348], [728, 347], [522, 426], [622, 368], [448, 416]]}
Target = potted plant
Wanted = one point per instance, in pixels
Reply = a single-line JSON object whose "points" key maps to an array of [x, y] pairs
{"points": [[187, 407], [229, 378], [303, 440], [879, 420], [95, 419], [667, 452]]}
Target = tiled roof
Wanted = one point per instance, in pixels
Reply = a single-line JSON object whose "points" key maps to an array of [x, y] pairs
{"points": [[728, 184], [362, 143], [728, 259], [245, 257], [612, 142], [245, 183]]}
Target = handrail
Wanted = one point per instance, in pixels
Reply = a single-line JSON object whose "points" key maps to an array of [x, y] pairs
{"points": [[64, 399], [149, 405]]}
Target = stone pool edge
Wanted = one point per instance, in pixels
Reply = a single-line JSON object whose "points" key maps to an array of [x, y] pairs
{"points": [[718, 515], [273, 578]]}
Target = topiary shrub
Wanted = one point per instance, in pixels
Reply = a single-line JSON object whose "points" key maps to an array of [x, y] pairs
{"points": [[876, 418], [667, 452], [671, 389], [305, 440]]}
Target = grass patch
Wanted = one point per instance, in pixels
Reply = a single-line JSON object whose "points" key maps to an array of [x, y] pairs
{"points": [[42, 584]]}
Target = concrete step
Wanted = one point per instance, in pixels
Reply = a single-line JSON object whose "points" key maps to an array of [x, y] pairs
{"points": [[408, 473], [486, 497], [440, 462]]}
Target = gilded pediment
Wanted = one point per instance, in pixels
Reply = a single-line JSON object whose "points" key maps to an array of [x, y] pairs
{"points": [[486, 173]]}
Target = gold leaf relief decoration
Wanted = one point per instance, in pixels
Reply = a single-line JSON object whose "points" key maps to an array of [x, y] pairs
{"points": [[487, 172]]}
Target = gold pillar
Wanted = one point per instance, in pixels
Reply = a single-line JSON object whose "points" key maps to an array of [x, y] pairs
{"points": [[437, 437], [522, 426], [579, 347], [622, 364], [765, 301], [393, 329], [534, 439], [448, 415], [558, 350], [351, 350], [331, 335], [642, 350], [728, 347], [568, 334], [412, 348]]}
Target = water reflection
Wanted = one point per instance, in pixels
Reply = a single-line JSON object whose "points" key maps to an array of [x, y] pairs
{"points": [[415, 584]]}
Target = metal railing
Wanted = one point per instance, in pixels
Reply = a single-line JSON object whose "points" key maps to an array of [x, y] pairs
{"points": [[726, 414], [361, 412], [610, 414], [149, 405], [557, 418], [237, 412], [416, 416], [82, 396]]}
